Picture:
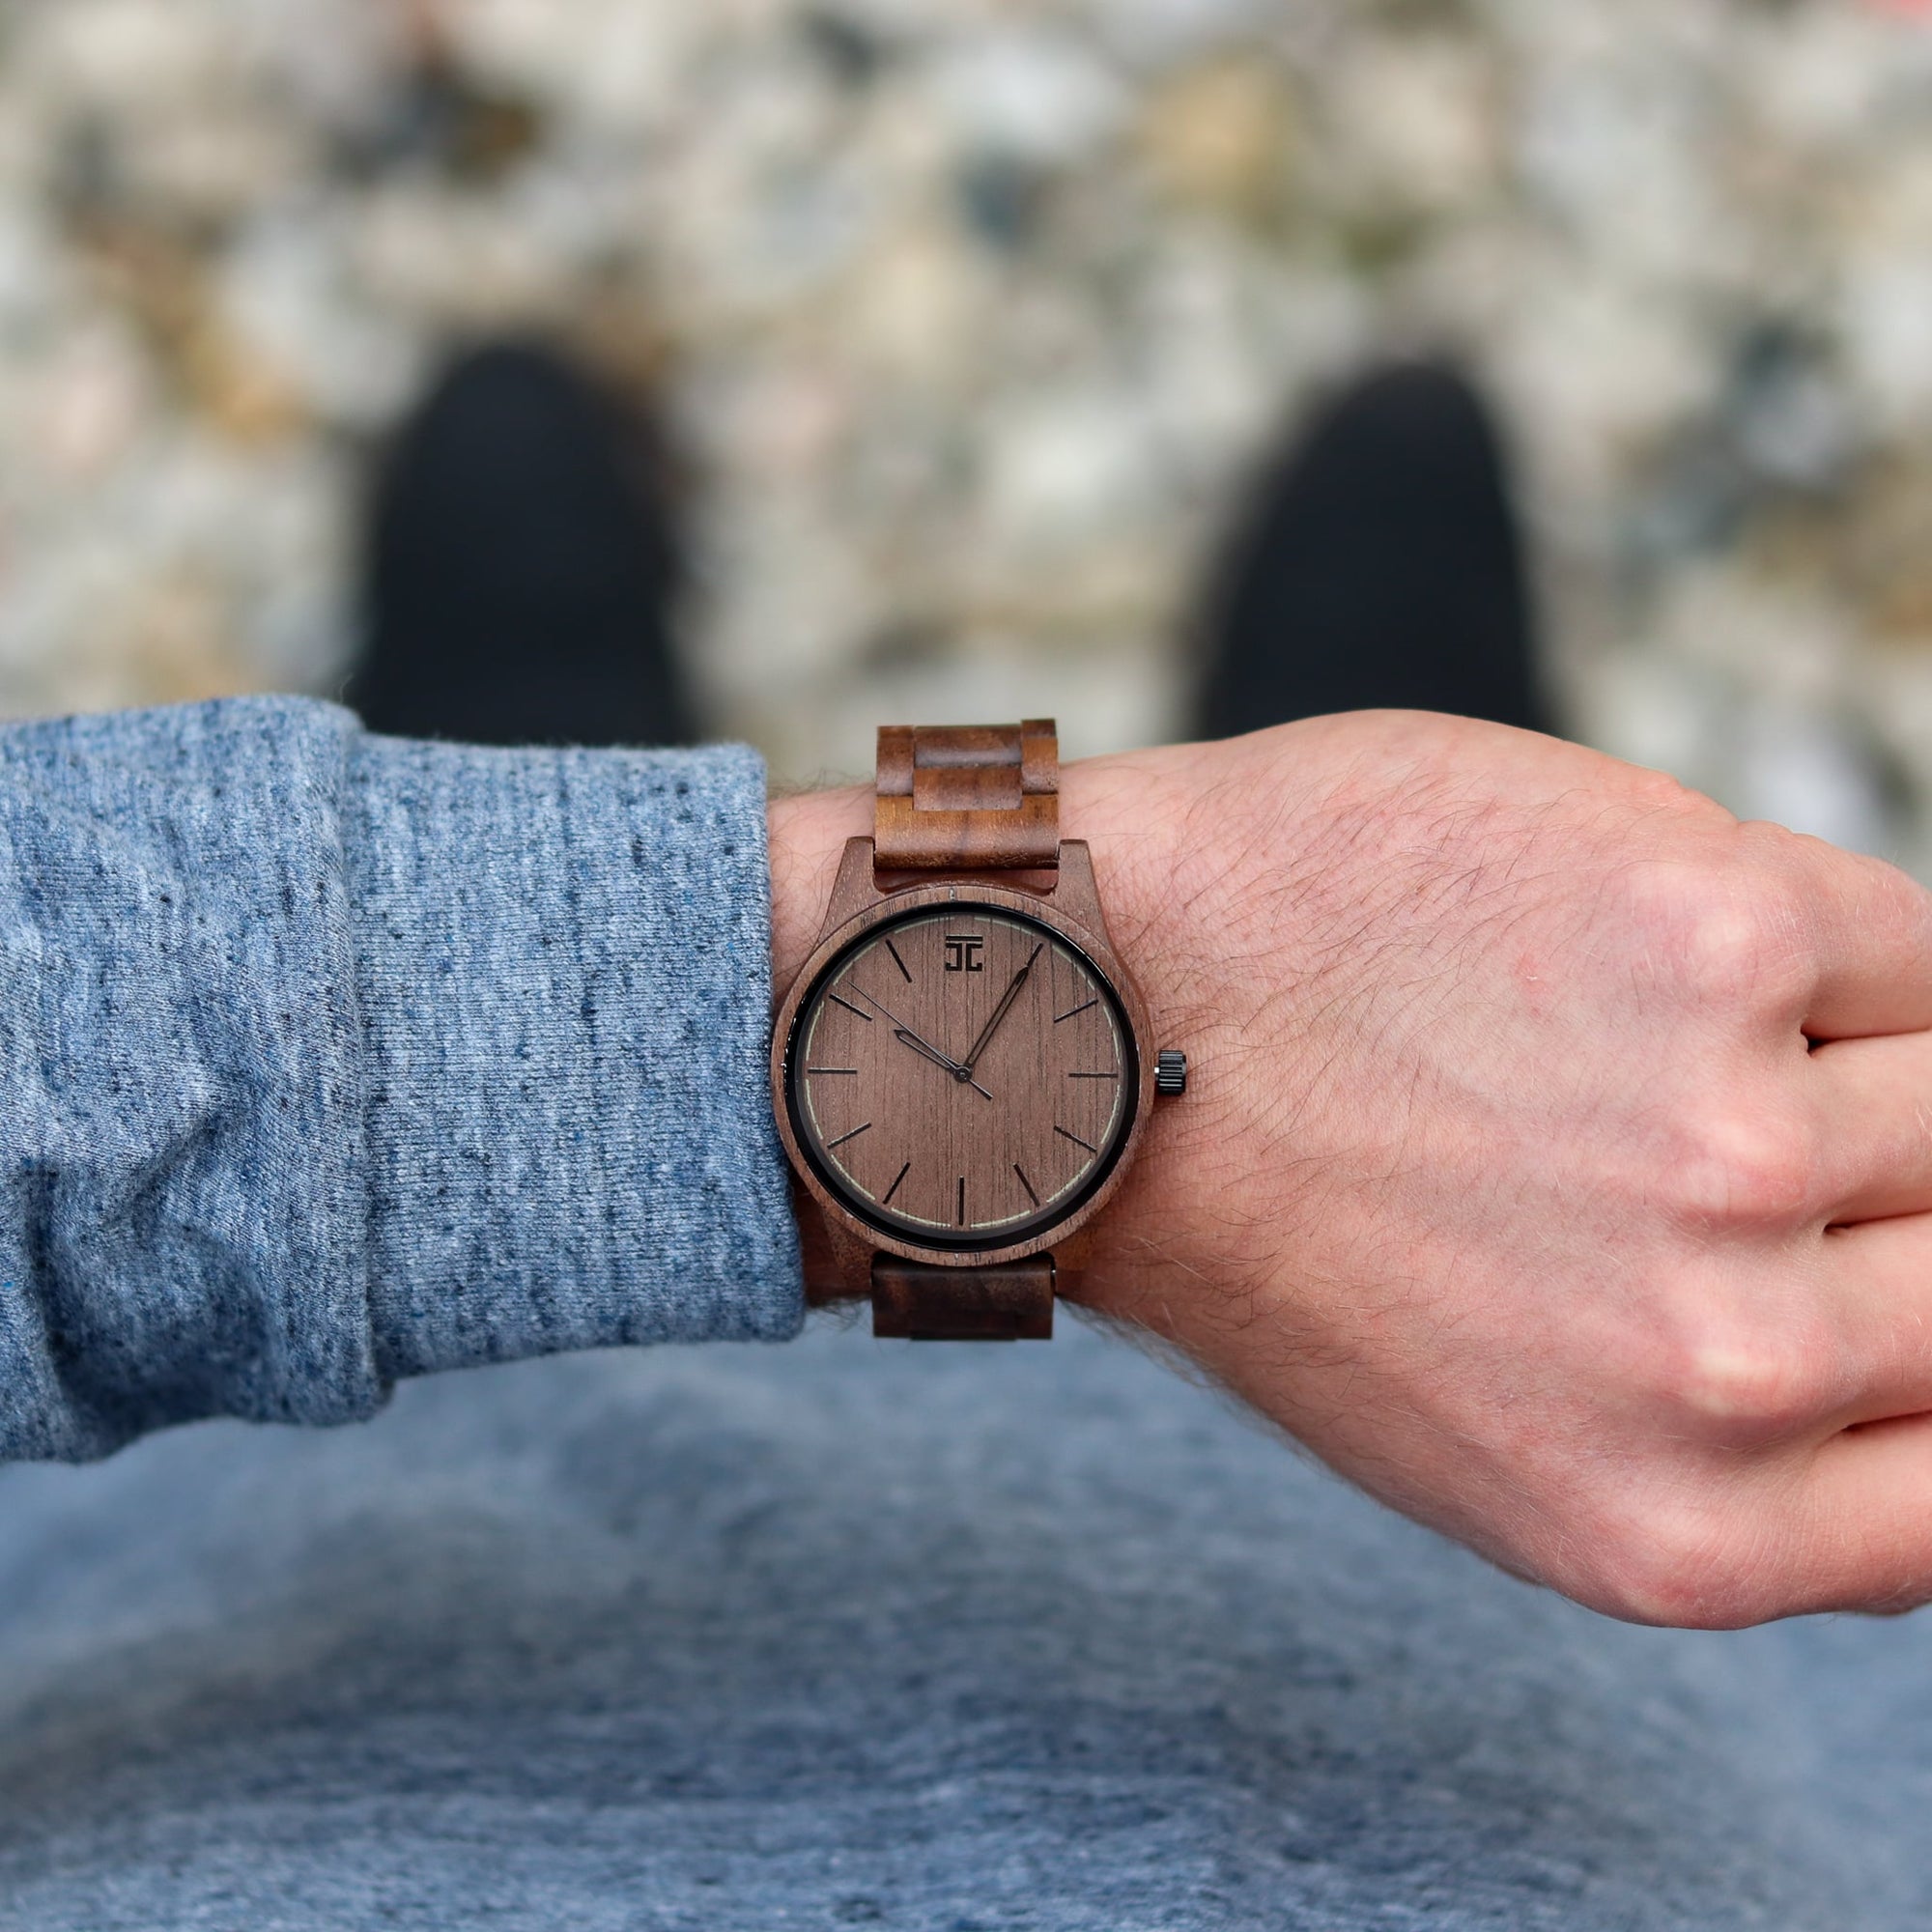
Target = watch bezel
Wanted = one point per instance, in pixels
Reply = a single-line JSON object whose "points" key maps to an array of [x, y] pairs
{"points": [[911, 902]]}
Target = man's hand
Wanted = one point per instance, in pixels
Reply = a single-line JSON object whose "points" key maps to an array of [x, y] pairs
{"points": [[1557, 1155]]}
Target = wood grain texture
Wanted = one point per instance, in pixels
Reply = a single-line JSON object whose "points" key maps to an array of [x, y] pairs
{"points": [[915, 1303], [949, 747], [994, 788], [910, 840], [897, 760], [1040, 756], [968, 797]]}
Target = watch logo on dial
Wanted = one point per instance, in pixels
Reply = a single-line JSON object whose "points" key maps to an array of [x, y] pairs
{"points": [[963, 950]]}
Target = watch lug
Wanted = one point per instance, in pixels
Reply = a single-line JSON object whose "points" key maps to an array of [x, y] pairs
{"points": [[1071, 1258], [837, 1264], [854, 889], [1078, 891]]}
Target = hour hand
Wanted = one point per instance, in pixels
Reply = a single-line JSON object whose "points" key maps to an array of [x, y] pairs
{"points": [[938, 1059]]}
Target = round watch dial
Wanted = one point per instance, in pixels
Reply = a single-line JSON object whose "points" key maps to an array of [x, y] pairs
{"points": [[962, 1077]]}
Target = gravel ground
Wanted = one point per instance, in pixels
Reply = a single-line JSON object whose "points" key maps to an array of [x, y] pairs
{"points": [[971, 317]]}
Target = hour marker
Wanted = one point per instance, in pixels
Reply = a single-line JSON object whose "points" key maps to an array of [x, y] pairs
{"points": [[1026, 1183], [851, 1008], [1077, 1010], [828, 1072], [962, 1200], [853, 1136], [894, 1188], [1077, 1141], [1093, 1076], [898, 963]]}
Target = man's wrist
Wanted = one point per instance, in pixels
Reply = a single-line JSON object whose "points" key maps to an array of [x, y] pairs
{"points": [[808, 834]]}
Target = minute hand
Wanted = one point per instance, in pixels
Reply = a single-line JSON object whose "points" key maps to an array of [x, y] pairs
{"points": [[1000, 1012]]}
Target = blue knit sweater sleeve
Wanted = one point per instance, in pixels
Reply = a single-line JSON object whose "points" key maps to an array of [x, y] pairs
{"points": [[327, 1059]]}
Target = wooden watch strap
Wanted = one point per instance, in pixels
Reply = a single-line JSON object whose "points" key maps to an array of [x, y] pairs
{"points": [[917, 1303], [966, 798], [976, 798]]}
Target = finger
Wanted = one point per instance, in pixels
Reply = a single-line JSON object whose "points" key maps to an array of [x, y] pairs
{"points": [[1861, 1534], [1878, 1277], [1871, 932], [1874, 1102]]}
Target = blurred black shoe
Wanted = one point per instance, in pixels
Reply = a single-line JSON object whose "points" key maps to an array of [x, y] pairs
{"points": [[1382, 565], [520, 566]]}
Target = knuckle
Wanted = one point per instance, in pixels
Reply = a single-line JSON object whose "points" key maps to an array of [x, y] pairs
{"points": [[1741, 1165], [1732, 937], [1681, 1564], [1744, 1381], [1745, 955], [1715, 948]]}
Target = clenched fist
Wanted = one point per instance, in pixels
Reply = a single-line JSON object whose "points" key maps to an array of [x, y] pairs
{"points": [[1558, 1156]]}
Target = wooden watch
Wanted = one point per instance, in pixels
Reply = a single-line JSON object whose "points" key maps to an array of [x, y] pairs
{"points": [[963, 1068]]}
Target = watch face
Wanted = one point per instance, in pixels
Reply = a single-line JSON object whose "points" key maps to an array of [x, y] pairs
{"points": [[962, 1077]]}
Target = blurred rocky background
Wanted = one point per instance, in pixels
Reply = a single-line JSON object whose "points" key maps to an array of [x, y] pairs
{"points": [[972, 315]]}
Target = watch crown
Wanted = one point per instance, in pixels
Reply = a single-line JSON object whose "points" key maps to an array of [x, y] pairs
{"points": [[1169, 1076]]}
